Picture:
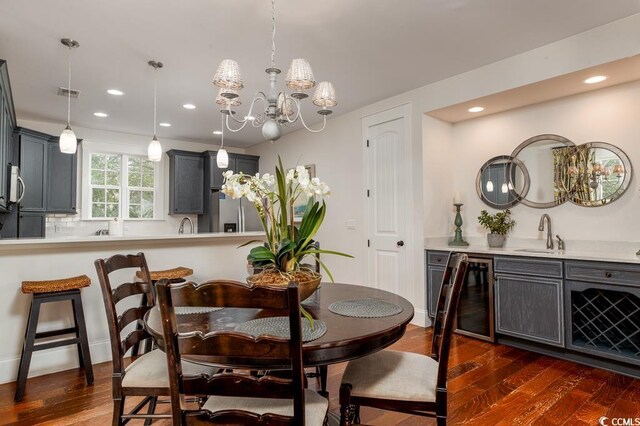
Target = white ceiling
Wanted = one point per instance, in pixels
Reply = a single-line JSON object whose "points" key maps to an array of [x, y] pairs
{"points": [[369, 49]]}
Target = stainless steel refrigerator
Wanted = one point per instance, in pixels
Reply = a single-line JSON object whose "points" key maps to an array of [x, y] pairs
{"points": [[226, 214]]}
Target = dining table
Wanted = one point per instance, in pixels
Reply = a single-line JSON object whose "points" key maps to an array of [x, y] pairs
{"points": [[346, 337]]}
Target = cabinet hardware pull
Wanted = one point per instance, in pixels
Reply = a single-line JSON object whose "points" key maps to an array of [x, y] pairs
{"points": [[607, 274]]}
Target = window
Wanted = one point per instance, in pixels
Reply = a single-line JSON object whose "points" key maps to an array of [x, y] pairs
{"points": [[120, 185]]}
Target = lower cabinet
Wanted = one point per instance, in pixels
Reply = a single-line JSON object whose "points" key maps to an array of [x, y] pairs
{"points": [[530, 308], [31, 225], [434, 282]]}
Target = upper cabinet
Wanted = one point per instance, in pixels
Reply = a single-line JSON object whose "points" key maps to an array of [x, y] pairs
{"points": [[34, 149], [247, 164], [186, 182], [62, 173], [7, 124]]}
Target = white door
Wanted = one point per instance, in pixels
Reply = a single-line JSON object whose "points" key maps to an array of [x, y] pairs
{"points": [[388, 199]]}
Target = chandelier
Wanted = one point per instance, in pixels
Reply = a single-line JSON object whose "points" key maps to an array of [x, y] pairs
{"points": [[280, 108]]}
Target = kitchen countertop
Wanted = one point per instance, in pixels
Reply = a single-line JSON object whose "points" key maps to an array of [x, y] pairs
{"points": [[94, 239], [621, 253]]}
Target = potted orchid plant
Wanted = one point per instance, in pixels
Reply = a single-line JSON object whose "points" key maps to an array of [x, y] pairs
{"points": [[279, 259]]}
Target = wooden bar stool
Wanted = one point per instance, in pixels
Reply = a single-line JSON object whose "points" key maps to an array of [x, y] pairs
{"points": [[175, 275], [54, 291]]}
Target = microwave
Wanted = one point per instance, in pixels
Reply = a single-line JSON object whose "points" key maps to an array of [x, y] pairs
{"points": [[16, 186]]}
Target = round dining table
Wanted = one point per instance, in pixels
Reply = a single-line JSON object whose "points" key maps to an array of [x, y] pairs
{"points": [[346, 337]]}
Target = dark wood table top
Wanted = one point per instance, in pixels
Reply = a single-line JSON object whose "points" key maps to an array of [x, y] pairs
{"points": [[346, 337]]}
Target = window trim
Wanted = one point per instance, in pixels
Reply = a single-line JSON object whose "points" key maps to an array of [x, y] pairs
{"points": [[123, 150]]}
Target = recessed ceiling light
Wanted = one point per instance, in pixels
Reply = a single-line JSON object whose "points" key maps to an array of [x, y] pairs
{"points": [[115, 92], [189, 106], [596, 79], [476, 109], [249, 117], [217, 132], [165, 124], [101, 114]]}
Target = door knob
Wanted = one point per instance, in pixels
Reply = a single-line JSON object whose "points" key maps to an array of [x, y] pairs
{"points": [[400, 243]]}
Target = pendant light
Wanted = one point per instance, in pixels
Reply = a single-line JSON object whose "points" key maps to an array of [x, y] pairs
{"points": [[222, 158], [504, 188], [489, 182], [68, 142], [154, 151]]}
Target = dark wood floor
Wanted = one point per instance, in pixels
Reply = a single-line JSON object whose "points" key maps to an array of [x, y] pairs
{"points": [[489, 385]]}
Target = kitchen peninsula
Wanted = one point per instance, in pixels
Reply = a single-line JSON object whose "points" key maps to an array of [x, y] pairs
{"points": [[212, 255]]}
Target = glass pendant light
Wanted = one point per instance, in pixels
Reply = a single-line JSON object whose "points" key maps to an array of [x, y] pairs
{"points": [[68, 142], [154, 150], [222, 158], [489, 182], [504, 188]]}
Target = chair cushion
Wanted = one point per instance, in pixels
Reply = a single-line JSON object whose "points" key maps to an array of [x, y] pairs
{"points": [[150, 371], [170, 274], [52, 286], [400, 376], [315, 406]]}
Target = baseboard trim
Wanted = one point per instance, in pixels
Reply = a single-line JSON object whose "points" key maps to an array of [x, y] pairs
{"points": [[54, 360], [420, 318]]}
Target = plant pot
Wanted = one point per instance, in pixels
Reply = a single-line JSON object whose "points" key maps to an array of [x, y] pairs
{"points": [[307, 281], [496, 240]]}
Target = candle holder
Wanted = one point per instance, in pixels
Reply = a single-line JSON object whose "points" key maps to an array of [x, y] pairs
{"points": [[458, 240]]}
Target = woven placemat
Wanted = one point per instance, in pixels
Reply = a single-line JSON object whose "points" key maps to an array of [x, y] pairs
{"points": [[190, 310], [279, 327], [365, 308]]}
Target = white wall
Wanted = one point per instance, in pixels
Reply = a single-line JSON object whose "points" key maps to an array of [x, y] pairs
{"points": [[607, 115], [71, 225], [337, 152]]}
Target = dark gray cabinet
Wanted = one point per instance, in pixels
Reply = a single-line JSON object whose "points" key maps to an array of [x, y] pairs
{"points": [[33, 169], [247, 164], [528, 299], [434, 282], [31, 225], [7, 125], [186, 182], [62, 172]]}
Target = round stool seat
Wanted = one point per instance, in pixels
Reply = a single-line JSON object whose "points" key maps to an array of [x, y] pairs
{"points": [[52, 286], [170, 274]]}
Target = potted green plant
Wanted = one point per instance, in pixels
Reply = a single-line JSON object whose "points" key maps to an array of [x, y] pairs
{"points": [[287, 242], [498, 225]]}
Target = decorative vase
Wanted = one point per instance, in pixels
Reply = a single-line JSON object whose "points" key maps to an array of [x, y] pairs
{"points": [[308, 281], [496, 240]]}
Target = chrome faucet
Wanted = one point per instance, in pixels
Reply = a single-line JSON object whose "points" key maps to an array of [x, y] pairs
{"points": [[560, 242], [549, 234], [185, 219]]}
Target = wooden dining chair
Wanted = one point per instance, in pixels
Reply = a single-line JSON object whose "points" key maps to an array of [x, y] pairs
{"points": [[147, 375], [403, 381], [234, 397]]}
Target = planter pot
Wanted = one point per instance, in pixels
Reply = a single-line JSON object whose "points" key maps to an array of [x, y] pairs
{"points": [[307, 281], [496, 240]]}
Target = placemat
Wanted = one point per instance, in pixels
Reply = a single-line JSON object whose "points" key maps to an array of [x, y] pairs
{"points": [[365, 308], [279, 327], [189, 310]]}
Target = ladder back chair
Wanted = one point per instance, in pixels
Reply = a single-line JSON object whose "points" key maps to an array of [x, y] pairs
{"points": [[232, 396], [147, 375], [403, 381]]}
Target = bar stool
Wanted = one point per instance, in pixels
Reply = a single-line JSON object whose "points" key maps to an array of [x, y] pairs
{"points": [[54, 291], [175, 275]]}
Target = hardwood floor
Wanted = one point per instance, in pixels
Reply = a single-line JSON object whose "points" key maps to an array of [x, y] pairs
{"points": [[489, 385]]}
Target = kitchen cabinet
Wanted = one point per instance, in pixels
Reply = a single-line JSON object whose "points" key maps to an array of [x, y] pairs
{"points": [[186, 182], [62, 172], [436, 264], [31, 225], [247, 164], [34, 150], [528, 302], [7, 124]]}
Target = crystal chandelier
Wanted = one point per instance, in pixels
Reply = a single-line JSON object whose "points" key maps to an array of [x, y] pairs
{"points": [[280, 109]]}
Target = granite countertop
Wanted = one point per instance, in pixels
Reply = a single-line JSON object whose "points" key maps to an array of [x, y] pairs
{"points": [[614, 252]]}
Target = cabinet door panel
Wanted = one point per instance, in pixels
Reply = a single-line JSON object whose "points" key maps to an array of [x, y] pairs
{"points": [[61, 180], [33, 170], [187, 175], [216, 173], [530, 308], [246, 166], [31, 225], [434, 282]]}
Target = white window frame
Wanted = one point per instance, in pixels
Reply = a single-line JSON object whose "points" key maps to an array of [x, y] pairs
{"points": [[89, 148]]}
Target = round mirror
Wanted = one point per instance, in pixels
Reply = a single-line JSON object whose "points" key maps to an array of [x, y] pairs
{"points": [[598, 173], [540, 156], [502, 182]]}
